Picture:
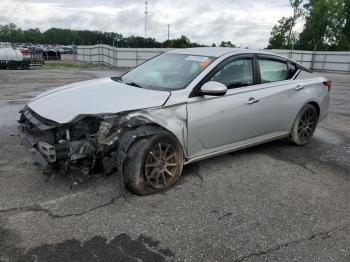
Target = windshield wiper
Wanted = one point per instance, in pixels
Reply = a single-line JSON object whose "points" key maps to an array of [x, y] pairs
{"points": [[133, 84], [117, 78], [120, 79]]}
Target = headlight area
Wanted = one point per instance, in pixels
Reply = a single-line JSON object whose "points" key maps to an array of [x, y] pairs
{"points": [[75, 146], [80, 148], [60, 148]]}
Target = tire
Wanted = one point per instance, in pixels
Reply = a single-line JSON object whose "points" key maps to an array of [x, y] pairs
{"points": [[24, 65], [12, 65], [147, 171], [304, 125]]}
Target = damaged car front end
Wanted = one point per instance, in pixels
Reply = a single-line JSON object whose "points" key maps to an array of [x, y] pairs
{"points": [[60, 148], [123, 125], [79, 147]]}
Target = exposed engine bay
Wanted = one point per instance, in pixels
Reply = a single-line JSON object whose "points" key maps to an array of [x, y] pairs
{"points": [[81, 147]]}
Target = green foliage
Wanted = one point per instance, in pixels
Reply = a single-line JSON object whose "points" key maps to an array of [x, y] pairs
{"points": [[182, 42], [327, 26], [226, 44], [297, 12], [346, 31], [11, 33], [279, 34], [282, 35], [324, 26]]}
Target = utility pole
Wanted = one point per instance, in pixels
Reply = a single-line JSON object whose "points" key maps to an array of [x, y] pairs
{"points": [[146, 13], [168, 32]]}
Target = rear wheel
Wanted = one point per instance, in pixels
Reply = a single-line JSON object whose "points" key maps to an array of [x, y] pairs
{"points": [[153, 164], [12, 65], [304, 125], [25, 65]]}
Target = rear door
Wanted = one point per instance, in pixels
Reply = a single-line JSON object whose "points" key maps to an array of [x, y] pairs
{"points": [[280, 95]]}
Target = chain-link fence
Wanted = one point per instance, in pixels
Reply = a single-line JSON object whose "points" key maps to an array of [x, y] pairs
{"points": [[130, 57]]}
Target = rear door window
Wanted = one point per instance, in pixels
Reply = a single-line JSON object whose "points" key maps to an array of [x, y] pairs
{"points": [[272, 70]]}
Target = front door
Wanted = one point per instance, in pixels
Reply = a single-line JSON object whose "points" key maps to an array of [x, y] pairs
{"points": [[215, 123]]}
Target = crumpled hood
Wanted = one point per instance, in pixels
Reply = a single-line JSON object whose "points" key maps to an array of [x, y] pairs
{"points": [[100, 96]]}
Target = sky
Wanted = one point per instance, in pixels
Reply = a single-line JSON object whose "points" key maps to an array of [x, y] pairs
{"points": [[246, 23]]}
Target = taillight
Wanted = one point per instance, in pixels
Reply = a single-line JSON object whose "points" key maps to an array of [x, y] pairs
{"points": [[328, 84]]}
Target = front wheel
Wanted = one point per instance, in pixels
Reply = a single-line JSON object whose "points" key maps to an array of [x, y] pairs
{"points": [[154, 163], [304, 125]]}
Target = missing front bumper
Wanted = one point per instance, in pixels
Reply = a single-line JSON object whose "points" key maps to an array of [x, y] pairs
{"points": [[37, 157]]}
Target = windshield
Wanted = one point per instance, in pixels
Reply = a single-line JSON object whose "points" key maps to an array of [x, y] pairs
{"points": [[167, 72]]}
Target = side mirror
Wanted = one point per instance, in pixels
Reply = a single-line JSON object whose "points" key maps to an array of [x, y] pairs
{"points": [[213, 88]]}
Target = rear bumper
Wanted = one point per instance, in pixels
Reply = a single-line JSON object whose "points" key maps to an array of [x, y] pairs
{"points": [[324, 106]]}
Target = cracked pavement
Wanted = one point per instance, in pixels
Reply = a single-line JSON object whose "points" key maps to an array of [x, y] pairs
{"points": [[273, 202]]}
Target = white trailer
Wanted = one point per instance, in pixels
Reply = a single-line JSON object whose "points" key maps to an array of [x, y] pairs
{"points": [[13, 59]]}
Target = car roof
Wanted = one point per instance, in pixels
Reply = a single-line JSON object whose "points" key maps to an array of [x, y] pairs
{"points": [[220, 51], [213, 51]]}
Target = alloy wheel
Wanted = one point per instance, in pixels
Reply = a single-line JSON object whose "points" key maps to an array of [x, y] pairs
{"points": [[307, 125], [161, 165]]}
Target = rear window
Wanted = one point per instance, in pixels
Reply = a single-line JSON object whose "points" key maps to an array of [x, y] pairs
{"points": [[272, 70]]}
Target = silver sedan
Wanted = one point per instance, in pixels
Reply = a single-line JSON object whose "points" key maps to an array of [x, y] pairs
{"points": [[179, 107]]}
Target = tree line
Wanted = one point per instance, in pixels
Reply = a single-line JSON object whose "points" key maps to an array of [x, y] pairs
{"points": [[327, 26], [12, 33]]}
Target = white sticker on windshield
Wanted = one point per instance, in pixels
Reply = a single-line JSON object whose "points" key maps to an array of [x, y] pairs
{"points": [[197, 58]]}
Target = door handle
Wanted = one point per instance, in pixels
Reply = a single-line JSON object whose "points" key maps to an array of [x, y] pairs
{"points": [[298, 87], [252, 100]]}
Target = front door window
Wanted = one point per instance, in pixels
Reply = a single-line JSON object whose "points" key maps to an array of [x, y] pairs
{"points": [[235, 74]]}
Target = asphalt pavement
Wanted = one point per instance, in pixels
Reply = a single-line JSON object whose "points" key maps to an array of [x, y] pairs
{"points": [[273, 202]]}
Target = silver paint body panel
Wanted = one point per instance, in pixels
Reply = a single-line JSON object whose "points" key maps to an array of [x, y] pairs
{"points": [[100, 96], [204, 125]]}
